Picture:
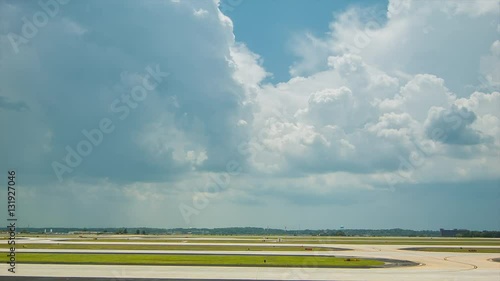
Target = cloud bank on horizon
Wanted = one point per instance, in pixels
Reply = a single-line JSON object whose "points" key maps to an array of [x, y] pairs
{"points": [[153, 113]]}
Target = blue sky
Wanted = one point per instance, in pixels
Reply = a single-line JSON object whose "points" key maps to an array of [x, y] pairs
{"points": [[304, 114], [280, 21]]}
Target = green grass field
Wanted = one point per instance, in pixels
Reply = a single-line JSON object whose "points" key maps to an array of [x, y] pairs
{"points": [[456, 249], [212, 260], [189, 247]]}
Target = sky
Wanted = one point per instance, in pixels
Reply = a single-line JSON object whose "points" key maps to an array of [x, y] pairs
{"points": [[297, 114]]}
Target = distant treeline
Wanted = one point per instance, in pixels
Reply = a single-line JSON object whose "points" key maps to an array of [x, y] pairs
{"points": [[261, 231], [469, 233], [484, 234]]}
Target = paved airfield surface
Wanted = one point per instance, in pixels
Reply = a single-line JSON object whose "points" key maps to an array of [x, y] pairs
{"points": [[434, 266]]}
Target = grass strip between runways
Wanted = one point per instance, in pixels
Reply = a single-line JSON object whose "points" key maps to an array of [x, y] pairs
{"points": [[182, 247], [456, 249], [198, 260]]}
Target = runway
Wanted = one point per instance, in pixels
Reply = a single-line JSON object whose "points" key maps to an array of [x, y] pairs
{"points": [[434, 266]]}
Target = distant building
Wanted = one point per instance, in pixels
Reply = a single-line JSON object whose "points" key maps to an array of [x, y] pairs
{"points": [[84, 232]]}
